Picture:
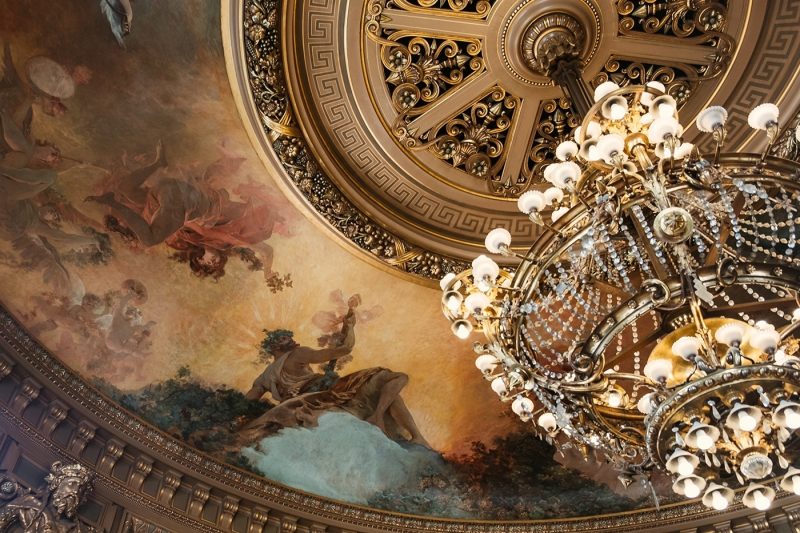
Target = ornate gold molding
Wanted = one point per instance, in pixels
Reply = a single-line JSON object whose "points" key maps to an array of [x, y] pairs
{"points": [[150, 455]]}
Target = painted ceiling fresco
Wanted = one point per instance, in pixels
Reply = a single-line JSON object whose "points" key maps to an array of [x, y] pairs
{"points": [[144, 243]]}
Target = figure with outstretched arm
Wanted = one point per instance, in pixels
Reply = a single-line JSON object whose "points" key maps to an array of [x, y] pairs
{"points": [[193, 216], [372, 395]]}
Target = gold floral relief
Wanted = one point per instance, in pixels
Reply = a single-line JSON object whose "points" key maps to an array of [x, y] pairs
{"points": [[463, 8], [420, 69], [681, 18], [474, 140]]}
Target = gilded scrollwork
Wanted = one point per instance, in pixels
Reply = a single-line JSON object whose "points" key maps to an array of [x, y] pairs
{"points": [[421, 69], [474, 139], [681, 18], [680, 81], [463, 8], [265, 73]]}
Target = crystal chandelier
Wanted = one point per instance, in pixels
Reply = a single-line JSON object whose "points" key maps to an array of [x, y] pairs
{"points": [[654, 319]]}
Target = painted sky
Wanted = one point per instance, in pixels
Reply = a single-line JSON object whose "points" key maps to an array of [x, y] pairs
{"points": [[170, 85]]}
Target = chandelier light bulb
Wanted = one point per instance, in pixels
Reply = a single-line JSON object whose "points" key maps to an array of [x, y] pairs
{"points": [[730, 334], [691, 489], [486, 363], [615, 108], [663, 106], [558, 213], [685, 467], [446, 279], [704, 440], [764, 339], [484, 269], [683, 151], [792, 418], [499, 386], [522, 406], [682, 462], [796, 314], [614, 398], [610, 146], [758, 496], [690, 486], [645, 403], [553, 195], [566, 150], [593, 130], [686, 347], [658, 370], [498, 240], [791, 481], [604, 89], [662, 129], [547, 422], [718, 501], [662, 151], [462, 328], [718, 497], [711, 118], [763, 116], [787, 414], [589, 151], [452, 300], [743, 417], [531, 202], [747, 422], [563, 174], [648, 97], [477, 302], [702, 436]]}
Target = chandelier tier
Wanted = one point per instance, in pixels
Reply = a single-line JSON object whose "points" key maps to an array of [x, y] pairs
{"points": [[655, 318]]}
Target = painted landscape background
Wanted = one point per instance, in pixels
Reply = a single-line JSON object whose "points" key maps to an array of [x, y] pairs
{"points": [[142, 242]]}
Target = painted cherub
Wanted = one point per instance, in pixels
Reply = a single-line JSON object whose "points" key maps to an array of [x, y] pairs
{"points": [[331, 322]]}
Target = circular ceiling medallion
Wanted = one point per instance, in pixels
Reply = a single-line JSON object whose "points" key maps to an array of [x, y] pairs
{"points": [[415, 124]]}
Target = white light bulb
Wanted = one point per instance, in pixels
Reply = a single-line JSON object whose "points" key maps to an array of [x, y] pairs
{"points": [[462, 329], [499, 386], [718, 501], [761, 502], [445, 281], [614, 398], [792, 419], [704, 440], [618, 111], [796, 314], [685, 467], [666, 110], [453, 301], [691, 489], [796, 485], [746, 421]]}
